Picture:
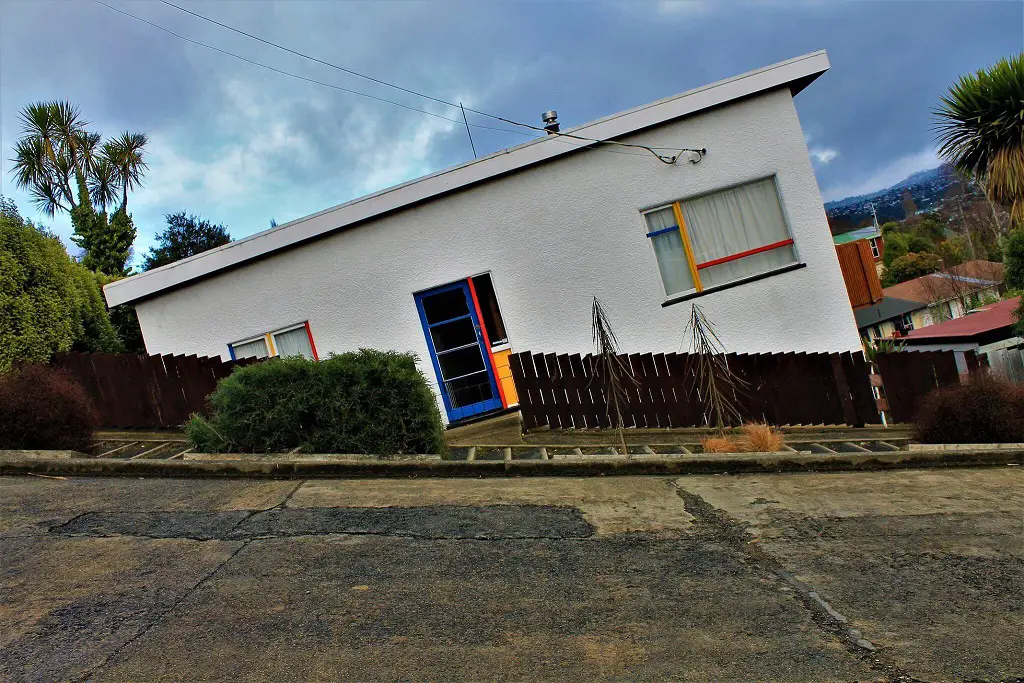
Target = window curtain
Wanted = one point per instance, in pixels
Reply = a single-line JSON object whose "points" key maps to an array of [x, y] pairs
{"points": [[293, 343], [733, 221], [254, 349], [668, 247]]}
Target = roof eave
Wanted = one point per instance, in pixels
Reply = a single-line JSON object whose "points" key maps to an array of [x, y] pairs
{"points": [[796, 74]]}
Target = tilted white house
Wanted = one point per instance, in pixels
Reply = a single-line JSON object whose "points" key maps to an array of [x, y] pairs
{"points": [[507, 251]]}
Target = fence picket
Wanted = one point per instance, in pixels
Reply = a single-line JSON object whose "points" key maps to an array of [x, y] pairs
{"points": [[780, 388], [138, 390]]}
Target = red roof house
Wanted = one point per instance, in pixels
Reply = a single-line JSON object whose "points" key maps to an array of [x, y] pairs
{"points": [[986, 325]]}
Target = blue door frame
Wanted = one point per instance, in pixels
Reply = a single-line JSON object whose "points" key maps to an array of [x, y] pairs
{"points": [[456, 408]]}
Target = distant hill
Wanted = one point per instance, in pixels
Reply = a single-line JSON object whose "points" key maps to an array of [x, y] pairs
{"points": [[927, 188]]}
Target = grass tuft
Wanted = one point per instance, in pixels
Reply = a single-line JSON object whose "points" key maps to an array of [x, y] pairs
{"points": [[719, 444], [758, 437]]}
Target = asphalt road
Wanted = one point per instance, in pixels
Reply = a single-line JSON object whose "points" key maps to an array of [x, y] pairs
{"points": [[894, 576]]}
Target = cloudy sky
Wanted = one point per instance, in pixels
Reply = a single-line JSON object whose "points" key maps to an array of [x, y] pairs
{"points": [[240, 145]]}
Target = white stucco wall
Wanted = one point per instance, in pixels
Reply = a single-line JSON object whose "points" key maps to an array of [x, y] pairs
{"points": [[552, 237]]}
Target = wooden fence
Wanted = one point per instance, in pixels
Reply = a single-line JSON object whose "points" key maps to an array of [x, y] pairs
{"points": [[908, 376], [136, 390], [562, 391]]}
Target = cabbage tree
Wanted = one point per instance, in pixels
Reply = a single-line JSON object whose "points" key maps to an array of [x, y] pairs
{"points": [[981, 130]]}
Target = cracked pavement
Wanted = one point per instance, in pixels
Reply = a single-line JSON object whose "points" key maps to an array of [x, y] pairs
{"points": [[869, 576]]}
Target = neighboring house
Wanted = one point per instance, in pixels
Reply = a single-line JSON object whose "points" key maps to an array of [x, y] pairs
{"points": [[872, 236], [988, 330], [951, 295], [506, 252], [889, 318]]}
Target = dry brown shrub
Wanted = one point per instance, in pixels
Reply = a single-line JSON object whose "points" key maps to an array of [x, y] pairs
{"points": [[758, 437], [719, 444]]}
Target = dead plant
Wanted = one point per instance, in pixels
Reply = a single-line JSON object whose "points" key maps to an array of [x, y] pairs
{"points": [[759, 437], [719, 444], [614, 373], [715, 382]]}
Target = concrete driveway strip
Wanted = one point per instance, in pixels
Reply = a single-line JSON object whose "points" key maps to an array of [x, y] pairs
{"points": [[928, 565], [711, 578]]}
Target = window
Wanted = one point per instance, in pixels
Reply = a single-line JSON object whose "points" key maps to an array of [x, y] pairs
{"points": [[908, 322], [295, 340], [720, 238], [257, 348], [874, 247]]}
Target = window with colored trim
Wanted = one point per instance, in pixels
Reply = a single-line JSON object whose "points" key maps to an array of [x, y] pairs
{"points": [[721, 237], [295, 340], [253, 348]]}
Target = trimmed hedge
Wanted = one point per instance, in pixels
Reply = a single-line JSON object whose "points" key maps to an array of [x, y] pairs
{"points": [[44, 408], [361, 402], [983, 410]]}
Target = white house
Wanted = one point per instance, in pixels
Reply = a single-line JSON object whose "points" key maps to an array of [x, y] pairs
{"points": [[506, 251]]}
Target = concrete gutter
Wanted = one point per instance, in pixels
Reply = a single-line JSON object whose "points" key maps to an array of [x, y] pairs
{"points": [[21, 463]]}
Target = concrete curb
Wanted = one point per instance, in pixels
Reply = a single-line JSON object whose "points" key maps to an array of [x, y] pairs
{"points": [[13, 463]]}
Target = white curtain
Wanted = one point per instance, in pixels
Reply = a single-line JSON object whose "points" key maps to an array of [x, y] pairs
{"points": [[293, 343], [733, 221], [254, 349], [668, 247]]}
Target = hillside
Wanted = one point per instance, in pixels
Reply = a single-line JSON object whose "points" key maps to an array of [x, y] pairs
{"points": [[927, 189]]}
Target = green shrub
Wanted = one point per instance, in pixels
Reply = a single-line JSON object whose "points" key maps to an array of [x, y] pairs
{"points": [[48, 302], [983, 410], [361, 402]]}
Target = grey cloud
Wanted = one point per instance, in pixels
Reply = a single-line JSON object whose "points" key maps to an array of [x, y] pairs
{"points": [[303, 147]]}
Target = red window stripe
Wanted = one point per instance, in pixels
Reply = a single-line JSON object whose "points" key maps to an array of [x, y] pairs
{"points": [[312, 346], [742, 254]]}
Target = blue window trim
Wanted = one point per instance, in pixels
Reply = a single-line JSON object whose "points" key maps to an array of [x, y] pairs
{"points": [[663, 231], [461, 317], [456, 414]]}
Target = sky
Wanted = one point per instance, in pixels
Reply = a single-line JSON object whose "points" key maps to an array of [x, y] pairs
{"points": [[241, 145]]}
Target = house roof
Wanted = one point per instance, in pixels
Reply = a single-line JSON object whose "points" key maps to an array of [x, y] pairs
{"points": [[796, 74], [858, 234], [986, 321], [929, 289], [888, 308]]}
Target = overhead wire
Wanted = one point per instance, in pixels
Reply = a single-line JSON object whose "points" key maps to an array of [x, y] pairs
{"points": [[665, 158], [588, 142], [300, 77]]}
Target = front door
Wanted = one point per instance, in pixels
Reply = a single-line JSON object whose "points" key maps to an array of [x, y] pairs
{"points": [[460, 357]]}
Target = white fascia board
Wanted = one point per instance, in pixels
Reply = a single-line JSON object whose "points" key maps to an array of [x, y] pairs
{"points": [[795, 73]]}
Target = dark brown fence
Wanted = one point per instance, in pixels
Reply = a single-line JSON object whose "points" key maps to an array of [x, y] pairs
{"points": [[562, 391], [136, 390], [907, 376]]}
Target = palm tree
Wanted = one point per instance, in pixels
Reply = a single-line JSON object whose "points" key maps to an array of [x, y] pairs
{"points": [[103, 185], [126, 154], [981, 130], [56, 153], [47, 156]]}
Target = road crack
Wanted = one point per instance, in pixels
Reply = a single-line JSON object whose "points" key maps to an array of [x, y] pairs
{"points": [[823, 614], [163, 614]]}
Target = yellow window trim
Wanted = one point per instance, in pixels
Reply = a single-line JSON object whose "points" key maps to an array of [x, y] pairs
{"points": [[687, 247]]}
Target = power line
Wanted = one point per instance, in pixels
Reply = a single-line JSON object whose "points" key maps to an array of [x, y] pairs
{"points": [[668, 159], [557, 136], [293, 75], [305, 56]]}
